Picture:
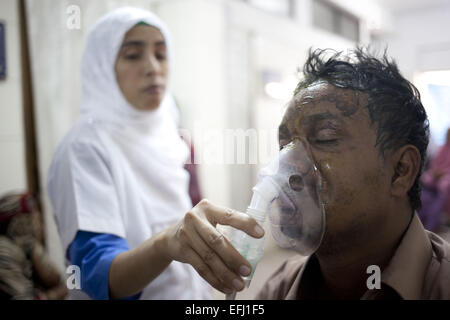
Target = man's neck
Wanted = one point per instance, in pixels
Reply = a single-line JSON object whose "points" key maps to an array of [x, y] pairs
{"points": [[344, 271], [348, 281]]}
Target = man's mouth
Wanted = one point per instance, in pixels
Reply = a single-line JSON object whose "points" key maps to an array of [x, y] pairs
{"points": [[293, 232]]}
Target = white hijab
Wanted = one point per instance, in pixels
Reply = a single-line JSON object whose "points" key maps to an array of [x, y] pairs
{"points": [[103, 100]]}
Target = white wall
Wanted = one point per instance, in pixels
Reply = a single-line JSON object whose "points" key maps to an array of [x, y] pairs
{"points": [[373, 17], [12, 134], [419, 39], [199, 84]]}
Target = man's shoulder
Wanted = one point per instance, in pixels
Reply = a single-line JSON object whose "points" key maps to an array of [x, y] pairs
{"points": [[441, 248], [439, 268], [281, 281]]}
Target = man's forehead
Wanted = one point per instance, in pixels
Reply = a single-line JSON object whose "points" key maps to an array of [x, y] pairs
{"points": [[323, 95]]}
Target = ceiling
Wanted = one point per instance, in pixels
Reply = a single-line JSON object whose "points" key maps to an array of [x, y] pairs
{"points": [[405, 5]]}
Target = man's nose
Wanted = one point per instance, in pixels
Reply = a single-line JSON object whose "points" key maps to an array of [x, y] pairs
{"points": [[302, 157]]}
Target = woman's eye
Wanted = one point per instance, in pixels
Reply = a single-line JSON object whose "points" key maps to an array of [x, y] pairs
{"points": [[133, 56], [161, 56]]}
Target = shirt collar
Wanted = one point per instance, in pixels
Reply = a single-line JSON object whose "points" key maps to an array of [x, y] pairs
{"points": [[406, 271]]}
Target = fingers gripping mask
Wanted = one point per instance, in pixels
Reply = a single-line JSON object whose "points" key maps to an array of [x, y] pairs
{"points": [[289, 189]]}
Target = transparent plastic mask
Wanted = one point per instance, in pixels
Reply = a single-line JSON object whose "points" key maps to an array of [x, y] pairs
{"points": [[296, 212]]}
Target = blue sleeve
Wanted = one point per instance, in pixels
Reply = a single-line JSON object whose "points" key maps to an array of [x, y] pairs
{"points": [[94, 253]]}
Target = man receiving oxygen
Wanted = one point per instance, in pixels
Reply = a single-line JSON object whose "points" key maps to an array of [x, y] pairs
{"points": [[346, 190]]}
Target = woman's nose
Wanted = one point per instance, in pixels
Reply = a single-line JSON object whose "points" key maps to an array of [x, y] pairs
{"points": [[152, 66]]}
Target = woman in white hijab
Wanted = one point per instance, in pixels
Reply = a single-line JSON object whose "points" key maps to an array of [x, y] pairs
{"points": [[117, 183]]}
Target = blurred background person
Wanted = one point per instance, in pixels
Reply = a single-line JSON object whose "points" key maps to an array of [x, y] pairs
{"points": [[26, 271], [436, 189]]}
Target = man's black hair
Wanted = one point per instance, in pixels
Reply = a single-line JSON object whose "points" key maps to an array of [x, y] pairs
{"points": [[393, 102]]}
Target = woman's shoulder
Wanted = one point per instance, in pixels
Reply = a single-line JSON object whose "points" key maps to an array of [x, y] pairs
{"points": [[86, 134]]}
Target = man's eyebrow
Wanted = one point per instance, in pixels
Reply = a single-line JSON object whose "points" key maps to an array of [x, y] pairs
{"points": [[313, 118]]}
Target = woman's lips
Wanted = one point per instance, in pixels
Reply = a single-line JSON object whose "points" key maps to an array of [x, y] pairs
{"points": [[154, 89]]}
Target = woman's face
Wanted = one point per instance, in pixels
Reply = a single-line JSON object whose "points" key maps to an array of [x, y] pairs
{"points": [[142, 68]]}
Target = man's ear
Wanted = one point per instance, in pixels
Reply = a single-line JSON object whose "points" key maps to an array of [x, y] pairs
{"points": [[406, 161]]}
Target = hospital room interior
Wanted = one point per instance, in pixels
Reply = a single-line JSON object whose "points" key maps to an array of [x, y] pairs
{"points": [[86, 161]]}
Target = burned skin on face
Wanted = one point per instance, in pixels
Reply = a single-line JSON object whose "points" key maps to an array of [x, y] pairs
{"points": [[335, 124]]}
